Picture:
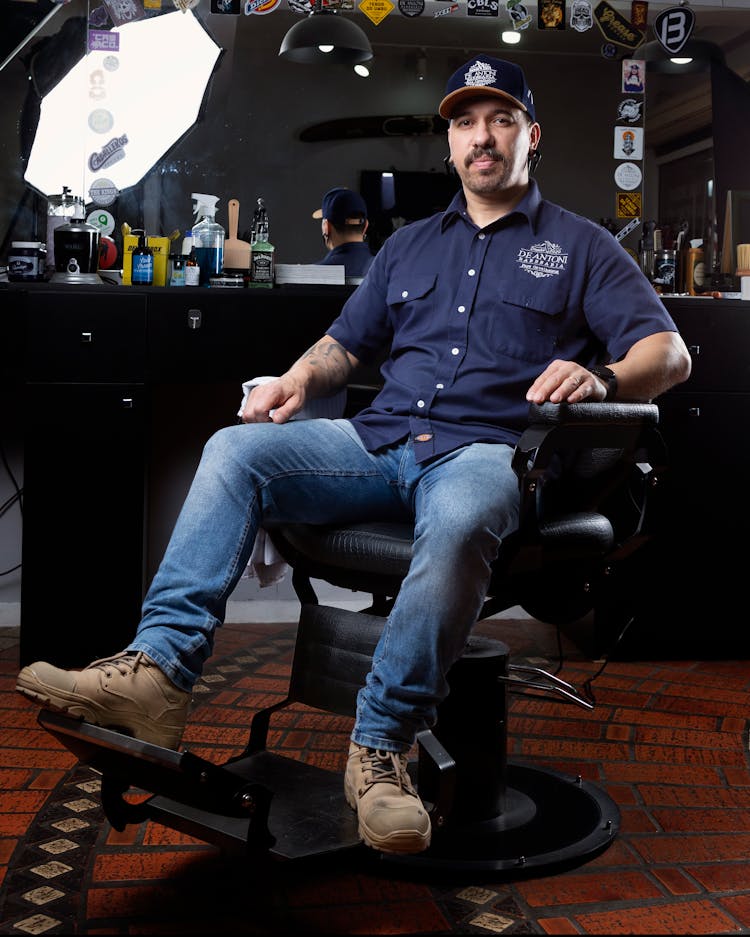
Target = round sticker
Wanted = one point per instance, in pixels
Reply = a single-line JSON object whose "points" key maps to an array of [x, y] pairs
{"points": [[628, 176], [101, 219], [411, 7], [111, 63], [103, 192], [101, 120]]}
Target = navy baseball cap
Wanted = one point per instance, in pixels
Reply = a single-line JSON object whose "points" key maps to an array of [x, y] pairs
{"points": [[342, 206], [482, 76]]}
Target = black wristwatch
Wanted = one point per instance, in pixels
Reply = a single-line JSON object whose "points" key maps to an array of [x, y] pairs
{"points": [[609, 377]]}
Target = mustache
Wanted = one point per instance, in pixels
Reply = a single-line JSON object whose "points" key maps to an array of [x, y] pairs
{"points": [[482, 152]]}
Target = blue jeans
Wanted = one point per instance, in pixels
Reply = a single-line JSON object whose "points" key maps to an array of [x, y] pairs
{"points": [[318, 471]]}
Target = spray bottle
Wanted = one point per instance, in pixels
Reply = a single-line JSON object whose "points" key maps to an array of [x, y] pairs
{"points": [[208, 237]]}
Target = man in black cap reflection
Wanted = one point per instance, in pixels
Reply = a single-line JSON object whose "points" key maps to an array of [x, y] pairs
{"points": [[343, 225]]}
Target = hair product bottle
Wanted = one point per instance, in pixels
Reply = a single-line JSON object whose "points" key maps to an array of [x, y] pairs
{"points": [[143, 262]]}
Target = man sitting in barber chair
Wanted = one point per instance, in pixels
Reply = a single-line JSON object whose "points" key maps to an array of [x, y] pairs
{"points": [[502, 300]]}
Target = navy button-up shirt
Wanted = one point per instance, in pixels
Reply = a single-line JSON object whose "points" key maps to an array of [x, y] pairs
{"points": [[474, 315], [355, 256]]}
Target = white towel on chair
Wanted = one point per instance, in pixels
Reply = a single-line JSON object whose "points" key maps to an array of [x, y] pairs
{"points": [[329, 407], [266, 563]]}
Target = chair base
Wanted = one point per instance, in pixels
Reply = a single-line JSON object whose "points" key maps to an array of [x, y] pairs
{"points": [[550, 822], [252, 807]]}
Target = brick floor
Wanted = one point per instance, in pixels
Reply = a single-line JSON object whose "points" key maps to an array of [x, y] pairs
{"points": [[667, 741]]}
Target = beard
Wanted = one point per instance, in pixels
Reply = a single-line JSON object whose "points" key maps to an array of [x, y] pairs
{"points": [[492, 179]]}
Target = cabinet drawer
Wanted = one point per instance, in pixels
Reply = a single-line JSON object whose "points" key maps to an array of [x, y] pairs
{"points": [[94, 414], [705, 432], [718, 337], [206, 335], [86, 336]]}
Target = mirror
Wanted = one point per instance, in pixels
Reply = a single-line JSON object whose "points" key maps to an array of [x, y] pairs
{"points": [[287, 132]]}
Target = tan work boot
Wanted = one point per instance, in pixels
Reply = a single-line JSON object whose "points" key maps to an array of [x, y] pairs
{"points": [[126, 692], [391, 816]]}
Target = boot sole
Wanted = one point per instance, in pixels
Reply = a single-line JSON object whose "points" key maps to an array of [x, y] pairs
{"points": [[401, 842], [80, 708]]}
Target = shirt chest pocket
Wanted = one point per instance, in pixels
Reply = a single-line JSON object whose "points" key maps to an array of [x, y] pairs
{"points": [[529, 328], [411, 292]]}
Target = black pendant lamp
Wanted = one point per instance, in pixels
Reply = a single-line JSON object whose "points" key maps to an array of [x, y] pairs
{"points": [[325, 36], [696, 55]]}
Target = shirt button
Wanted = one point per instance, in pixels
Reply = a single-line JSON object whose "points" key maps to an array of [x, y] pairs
{"points": [[455, 351], [462, 308], [420, 403], [481, 236], [440, 386], [472, 273], [404, 294]]}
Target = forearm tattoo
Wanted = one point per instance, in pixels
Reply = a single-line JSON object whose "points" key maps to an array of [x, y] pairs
{"points": [[330, 362]]}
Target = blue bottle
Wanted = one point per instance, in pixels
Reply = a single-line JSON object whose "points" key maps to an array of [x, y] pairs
{"points": [[143, 263]]}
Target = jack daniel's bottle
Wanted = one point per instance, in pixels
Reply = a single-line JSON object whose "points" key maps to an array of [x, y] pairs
{"points": [[261, 250]]}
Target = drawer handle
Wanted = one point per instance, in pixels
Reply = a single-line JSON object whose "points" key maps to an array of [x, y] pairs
{"points": [[195, 317], [87, 338], [694, 411], [694, 350]]}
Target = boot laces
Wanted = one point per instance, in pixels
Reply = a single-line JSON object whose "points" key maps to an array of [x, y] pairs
{"points": [[385, 768], [124, 663]]}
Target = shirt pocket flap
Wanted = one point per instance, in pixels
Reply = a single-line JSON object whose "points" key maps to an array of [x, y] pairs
{"points": [[411, 289]]}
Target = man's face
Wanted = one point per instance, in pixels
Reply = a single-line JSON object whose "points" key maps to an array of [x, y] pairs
{"points": [[489, 141]]}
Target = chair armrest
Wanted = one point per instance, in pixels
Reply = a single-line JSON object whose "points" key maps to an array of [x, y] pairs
{"points": [[591, 449], [556, 428]]}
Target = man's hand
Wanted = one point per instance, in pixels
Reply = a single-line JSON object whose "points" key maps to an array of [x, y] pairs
{"points": [[273, 402], [566, 382]]}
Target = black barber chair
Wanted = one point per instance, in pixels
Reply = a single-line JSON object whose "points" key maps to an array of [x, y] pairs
{"points": [[587, 474]]}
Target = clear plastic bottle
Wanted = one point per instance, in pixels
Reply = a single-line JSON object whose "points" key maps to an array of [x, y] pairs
{"points": [[208, 237]]}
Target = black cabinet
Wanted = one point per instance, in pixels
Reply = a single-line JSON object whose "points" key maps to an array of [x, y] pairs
{"points": [[86, 415], [122, 388], [691, 581], [84, 491]]}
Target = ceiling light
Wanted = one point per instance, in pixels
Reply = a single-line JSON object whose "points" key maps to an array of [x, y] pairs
{"points": [[695, 56], [325, 36], [362, 70], [510, 37]]}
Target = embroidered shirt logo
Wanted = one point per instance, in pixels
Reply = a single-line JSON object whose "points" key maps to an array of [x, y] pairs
{"points": [[542, 260], [480, 74]]}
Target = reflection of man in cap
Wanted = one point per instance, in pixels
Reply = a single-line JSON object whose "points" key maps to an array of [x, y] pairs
{"points": [[344, 225]]}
